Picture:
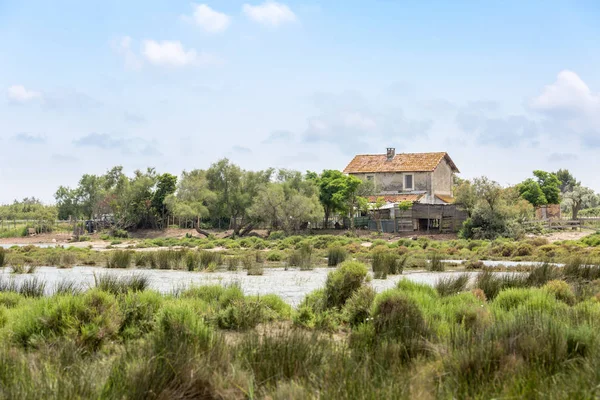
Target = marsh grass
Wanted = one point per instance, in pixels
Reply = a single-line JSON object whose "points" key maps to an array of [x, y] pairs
{"points": [[67, 287], [18, 268], [302, 257], [32, 287], [452, 284], [119, 259], [336, 255], [256, 269], [116, 284], [2, 257], [435, 263]]}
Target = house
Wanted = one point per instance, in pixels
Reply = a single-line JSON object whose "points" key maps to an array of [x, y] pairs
{"points": [[425, 178]]}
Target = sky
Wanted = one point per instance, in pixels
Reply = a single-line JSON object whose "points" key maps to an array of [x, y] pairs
{"points": [[504, 87]]}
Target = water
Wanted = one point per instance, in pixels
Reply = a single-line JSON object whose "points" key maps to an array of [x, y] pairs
{"points": [[292, 285], [41, 245]]}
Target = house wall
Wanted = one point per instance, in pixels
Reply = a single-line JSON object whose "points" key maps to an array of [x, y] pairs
{"points": [[394, 181], [442, 179]]}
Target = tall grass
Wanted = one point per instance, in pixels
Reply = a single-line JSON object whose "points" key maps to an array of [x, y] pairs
{"points": [[435, 263], [302, 257], [2, 257], [119, 259], [116, 284], [336, 255], [450, 285]]}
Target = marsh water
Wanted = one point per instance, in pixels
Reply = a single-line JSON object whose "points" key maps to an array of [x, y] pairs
{"points": [[292, 284]]}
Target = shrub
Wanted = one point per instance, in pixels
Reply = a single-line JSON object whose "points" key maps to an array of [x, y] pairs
{"points": [[397, 317], [277, 235], [523, 249], [343, 282], [358, 307], [336, 255], [2, 257], [452, 284], [119, 233], [242, 314], [304, 317], [119, 259], [474, 264], [561, 290], [274, 256], [209, 257]]}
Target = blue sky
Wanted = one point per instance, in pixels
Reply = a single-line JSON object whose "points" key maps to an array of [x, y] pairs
{"points": [[504, 87]]}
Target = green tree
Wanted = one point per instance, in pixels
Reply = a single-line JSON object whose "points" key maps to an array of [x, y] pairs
{"points": [[487, 191], [193, 197], [352, 195], [550, 185], [165, 186], [531, 191], [577, 199], [465, 196], [331, 183], [235, 191], [567, 180]]}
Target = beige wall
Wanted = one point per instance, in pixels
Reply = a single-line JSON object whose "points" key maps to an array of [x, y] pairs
{"points": [[442, 179], [394, 182]]}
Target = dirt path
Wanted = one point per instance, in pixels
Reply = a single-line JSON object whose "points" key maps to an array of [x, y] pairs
{"points": [[568, 235]]}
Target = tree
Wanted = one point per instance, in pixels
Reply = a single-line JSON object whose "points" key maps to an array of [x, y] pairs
{"points": [[577, 199], [487, 191], [235, 191], [331, 184], [165, 186], [531, 191], [550, 185], [352, 195], [567, 181], [465, 196], [193, 197]]}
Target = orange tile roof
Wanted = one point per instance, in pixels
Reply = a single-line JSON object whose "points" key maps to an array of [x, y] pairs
{"points": [[403, 162], [445, 199], [395, 198]]}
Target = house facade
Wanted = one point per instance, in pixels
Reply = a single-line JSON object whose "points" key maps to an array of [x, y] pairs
{"points": [[418, 177]]}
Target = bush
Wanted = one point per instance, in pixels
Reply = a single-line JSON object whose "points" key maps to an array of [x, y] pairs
{"points": [[561, 290], [343, 282], [358, 307], [119, 233], [523, 249], [274, 256], [397, 317], [336, 255], [242, 314], [2, 257]]}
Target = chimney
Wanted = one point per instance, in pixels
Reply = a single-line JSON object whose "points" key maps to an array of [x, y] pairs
{"points": [[391, 152]]}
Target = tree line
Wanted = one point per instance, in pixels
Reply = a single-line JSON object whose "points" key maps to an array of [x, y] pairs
{"points": [[222, 196], [495, 211]]}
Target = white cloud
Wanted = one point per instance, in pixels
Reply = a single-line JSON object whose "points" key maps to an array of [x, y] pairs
{"points": [[358, 120], [123, 47], [568, 94], [19, 94], [173, 54], [269, 13], [570, 107], [210, 20]]}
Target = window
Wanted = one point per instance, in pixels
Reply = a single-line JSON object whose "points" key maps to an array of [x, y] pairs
{"points": [[408, 182], [369, 177]]}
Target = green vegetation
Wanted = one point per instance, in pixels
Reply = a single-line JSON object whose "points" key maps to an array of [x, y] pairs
{"points": [[534, 338]]}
